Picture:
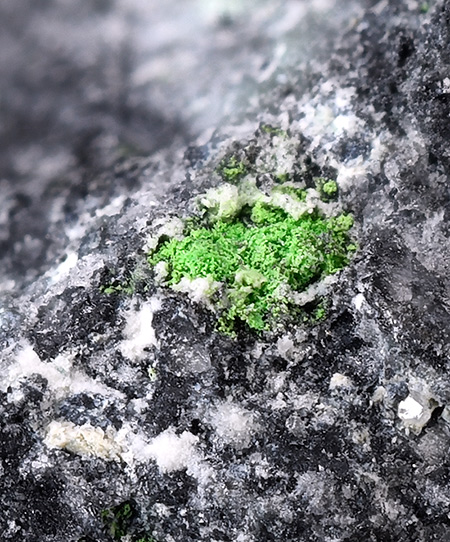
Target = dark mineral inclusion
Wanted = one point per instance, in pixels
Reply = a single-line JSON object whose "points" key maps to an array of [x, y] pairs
{"points": [[125, 413]]}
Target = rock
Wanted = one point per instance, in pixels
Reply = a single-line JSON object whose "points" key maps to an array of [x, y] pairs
{"points": [[126, 412]]}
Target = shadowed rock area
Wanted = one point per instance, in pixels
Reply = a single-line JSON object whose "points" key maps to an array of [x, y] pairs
{"points": [[125, 414]]}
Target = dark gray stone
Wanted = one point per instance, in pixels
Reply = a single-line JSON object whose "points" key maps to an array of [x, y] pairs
{"points": [[115, 116]]}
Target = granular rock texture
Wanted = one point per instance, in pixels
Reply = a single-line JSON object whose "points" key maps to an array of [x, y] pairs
{"points": [[125, 413]]}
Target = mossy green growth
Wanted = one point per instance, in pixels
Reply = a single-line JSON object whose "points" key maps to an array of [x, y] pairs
{"points": [[321, 312], [232, 169], [326, 187], [258, 258], [273, 130], [329, 188], [282, 177], [118, 519], [117, 289]]}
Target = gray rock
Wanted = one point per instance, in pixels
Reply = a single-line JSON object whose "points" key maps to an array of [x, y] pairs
{"points": [[129, 413]]}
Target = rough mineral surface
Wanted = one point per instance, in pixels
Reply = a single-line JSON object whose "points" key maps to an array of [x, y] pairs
{"points": [[125, 413]]}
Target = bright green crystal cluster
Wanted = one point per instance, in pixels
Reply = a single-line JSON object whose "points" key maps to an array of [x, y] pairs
{"points": [[256, 257]]}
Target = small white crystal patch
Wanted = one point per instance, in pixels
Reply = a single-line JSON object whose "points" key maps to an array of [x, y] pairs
{"points": [[83, 440], [409, 409]]}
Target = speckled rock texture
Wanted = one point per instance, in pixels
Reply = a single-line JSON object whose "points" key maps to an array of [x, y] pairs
{"points": [[128, 416]]}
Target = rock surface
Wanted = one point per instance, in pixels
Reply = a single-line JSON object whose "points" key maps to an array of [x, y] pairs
{"points": [[129, 414]]}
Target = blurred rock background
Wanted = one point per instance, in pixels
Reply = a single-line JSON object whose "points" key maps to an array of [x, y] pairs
{"points": [[116, 114]]}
